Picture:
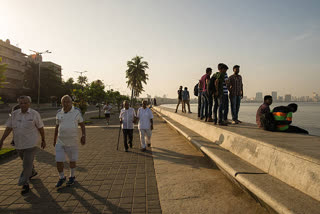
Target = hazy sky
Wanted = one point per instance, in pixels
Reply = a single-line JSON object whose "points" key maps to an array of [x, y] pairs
{"points": [[276, 43]]}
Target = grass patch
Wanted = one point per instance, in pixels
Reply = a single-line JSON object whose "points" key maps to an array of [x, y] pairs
{"points": [[88, 122], [5, 152], [97, 118]]}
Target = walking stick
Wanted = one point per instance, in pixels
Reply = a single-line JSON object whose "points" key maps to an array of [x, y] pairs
{"points": [[119, 137]]}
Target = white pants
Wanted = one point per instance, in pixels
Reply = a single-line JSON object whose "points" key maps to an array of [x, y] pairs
{"points": [[145, 136]]}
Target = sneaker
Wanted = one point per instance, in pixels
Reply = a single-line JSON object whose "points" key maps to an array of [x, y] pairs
{"points": [[130, 145], [25, 189], [210, 119], [71, 181], [239, 121], [215, 122], [222, 124], [190, 112], [61, 181], [143, 149], [34, 173], [234, 122], [149, 144]]}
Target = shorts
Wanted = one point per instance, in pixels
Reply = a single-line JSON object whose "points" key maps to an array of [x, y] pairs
{"points": [[63, 151], [107, 115]]}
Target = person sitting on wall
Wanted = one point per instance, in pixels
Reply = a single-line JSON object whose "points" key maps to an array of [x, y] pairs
{"points": [[262, 111], [283, 119]]}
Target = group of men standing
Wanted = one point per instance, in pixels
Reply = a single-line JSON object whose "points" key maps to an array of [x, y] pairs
{"points": [[214, 93], [26, 125]]}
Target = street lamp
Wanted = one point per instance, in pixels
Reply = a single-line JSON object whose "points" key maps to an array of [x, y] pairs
{"points": [[80, 72], [39, 54]]}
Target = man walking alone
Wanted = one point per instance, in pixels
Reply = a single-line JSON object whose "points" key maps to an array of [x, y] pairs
{"points": [[26, 125], [127, 118], [236, 93], [145, 125], [66, 138]]}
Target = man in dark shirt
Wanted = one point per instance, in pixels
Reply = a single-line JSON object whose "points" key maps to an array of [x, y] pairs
{"points": [[179, 98], [263, 109], [204, 110], [218, 96]]}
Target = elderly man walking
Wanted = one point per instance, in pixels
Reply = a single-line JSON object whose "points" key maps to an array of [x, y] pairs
{"points": [[145, 125], [26, 125], [66, 138], [127, 118]]}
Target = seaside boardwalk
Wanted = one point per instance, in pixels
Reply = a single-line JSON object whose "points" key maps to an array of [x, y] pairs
{"points": [[172, 178]]}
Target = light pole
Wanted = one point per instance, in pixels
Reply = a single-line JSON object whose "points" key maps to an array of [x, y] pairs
{"points": [[39, 54], [80, 72]]}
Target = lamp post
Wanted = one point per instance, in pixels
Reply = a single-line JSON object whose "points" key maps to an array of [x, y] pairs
{"points": [[39, 54]]}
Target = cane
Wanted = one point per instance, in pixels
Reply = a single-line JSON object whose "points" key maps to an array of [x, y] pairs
{"points": [[119, 137]]}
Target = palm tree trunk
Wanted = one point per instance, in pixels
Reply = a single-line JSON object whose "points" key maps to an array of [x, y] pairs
{"points": [[131, 97]]}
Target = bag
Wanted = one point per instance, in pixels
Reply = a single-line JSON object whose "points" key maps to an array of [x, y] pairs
{"points": [[212, 85], [268, 122], [196, 89]]}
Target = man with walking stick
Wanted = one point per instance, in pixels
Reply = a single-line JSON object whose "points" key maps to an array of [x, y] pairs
{"points": [[127, 118]]}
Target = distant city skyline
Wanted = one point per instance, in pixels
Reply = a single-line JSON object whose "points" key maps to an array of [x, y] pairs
{"points": [[276, 43]]}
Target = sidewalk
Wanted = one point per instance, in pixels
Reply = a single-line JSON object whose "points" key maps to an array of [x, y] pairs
{"points": [[108, 181], [188, 183]]}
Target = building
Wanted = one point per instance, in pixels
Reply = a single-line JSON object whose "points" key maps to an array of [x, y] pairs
{"points": [[259, 97], [274, 95], [287, 98], [16, 60], [46, 65], [315, 97]]}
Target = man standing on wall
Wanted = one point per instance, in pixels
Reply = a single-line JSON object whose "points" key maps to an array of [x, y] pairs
{"points": [[179, 98], [236, 93], [204, 111]]}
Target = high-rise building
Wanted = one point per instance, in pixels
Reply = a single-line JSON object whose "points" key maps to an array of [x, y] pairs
{"points": [[16, 60], [259, 97], [274, 95], [280, 98], [287, 98]]}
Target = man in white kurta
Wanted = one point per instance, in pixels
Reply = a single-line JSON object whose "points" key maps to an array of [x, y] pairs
{"points": [[127, 117], [145, 125]]}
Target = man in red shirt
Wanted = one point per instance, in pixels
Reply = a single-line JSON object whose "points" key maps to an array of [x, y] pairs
{"points": [[204, 95]]}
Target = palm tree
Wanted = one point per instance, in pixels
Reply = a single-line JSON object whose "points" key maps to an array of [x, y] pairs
{"points": [[136, 75]]}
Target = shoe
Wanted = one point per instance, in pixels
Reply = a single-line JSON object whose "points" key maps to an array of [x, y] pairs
{"points": [[215, 122], [190, 112], [206, 120], [126, 150], [149, 144], [143, 149], [61, 181], [239, 121], [130, 146], [34, 173], [201, 118], [71, 181], [25, 189], [234, 122], [210, 120]]}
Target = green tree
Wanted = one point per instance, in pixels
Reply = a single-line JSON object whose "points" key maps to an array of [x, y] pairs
{"points": [[83, 80], [96, 93], [3, 68], [136, 75]]}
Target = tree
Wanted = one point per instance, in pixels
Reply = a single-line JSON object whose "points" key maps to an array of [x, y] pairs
{"points": [[3, 68], [96, 93], [82, 80], [136, 75]]}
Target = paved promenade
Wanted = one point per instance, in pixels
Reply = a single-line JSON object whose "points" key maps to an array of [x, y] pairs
{"points": [[108, 181], [111, 181]]}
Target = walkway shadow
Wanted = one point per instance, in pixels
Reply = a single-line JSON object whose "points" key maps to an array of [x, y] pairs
{"points": [[42, 156], [91, 208]]}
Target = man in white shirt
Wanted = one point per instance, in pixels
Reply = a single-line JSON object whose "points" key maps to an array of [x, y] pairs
{"points": [[26, 125], [145, 125], [127, 118], [66, 138]]}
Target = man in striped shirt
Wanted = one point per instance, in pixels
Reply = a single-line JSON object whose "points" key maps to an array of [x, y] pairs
{"points": [[236, 93]]}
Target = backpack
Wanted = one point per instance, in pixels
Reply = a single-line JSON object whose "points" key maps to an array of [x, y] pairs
{"points": [[211, 88], [268, 122], [196, 90]]}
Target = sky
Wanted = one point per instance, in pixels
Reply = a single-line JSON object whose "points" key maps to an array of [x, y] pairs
{"points": [[275, 42]]}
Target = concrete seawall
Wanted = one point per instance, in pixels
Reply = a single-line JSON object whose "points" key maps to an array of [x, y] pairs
{"points": [[291, 158]]}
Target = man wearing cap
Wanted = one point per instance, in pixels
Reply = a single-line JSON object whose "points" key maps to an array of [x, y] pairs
{"points": [[26, 125]]}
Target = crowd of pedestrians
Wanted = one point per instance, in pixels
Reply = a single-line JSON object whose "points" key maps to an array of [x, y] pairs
{"points": [[26, 125]]}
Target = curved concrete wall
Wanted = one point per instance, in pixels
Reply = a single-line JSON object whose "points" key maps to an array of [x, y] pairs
{"points": [[298, 170]]}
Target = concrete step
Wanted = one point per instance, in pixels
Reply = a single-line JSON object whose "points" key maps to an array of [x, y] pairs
{"points": [[271, 191]]}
